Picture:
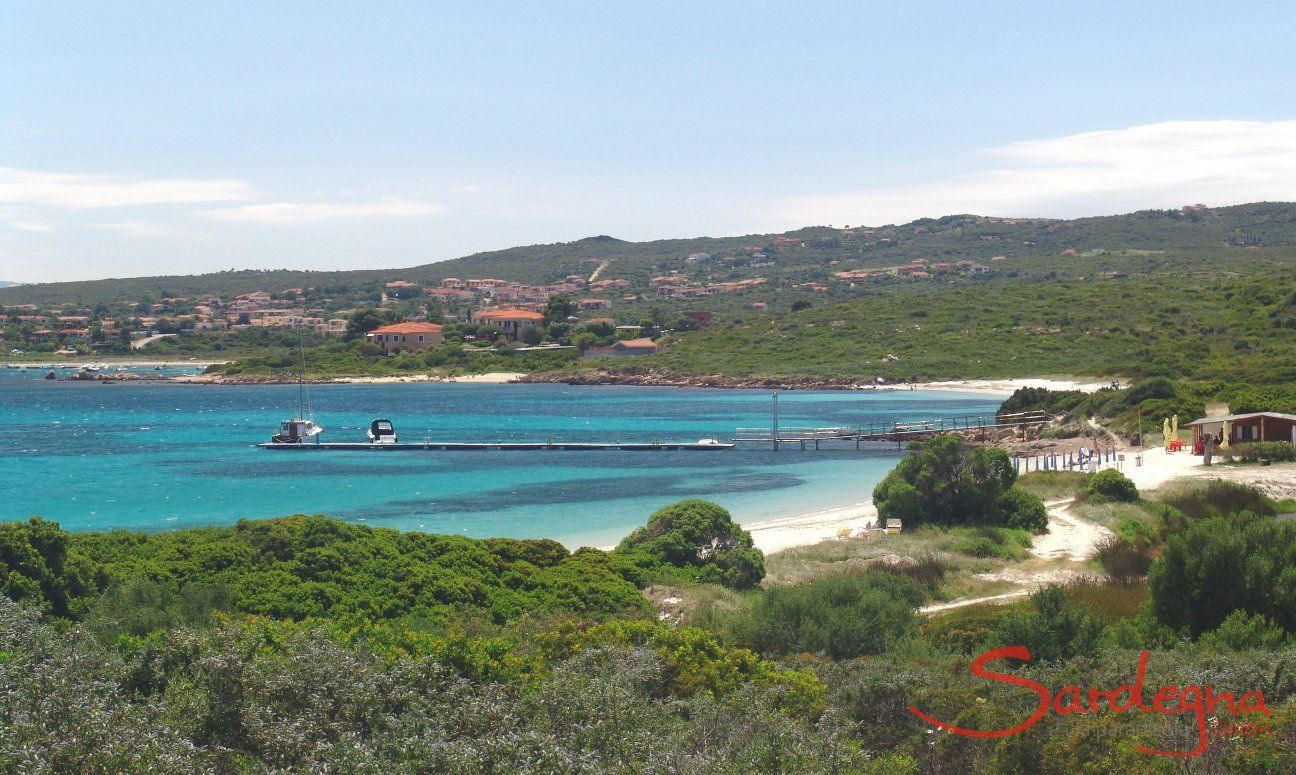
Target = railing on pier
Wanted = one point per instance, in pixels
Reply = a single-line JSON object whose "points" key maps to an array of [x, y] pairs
{"points": [[886, 431]]}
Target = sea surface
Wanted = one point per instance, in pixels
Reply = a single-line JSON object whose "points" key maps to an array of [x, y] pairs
{"points": [[167, 456]]}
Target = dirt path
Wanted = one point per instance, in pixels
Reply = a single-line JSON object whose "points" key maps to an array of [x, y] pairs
{"points": [[1070, 540], [1069, 537]]}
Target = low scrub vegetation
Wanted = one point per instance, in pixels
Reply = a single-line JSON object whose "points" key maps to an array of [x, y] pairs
{"points": [[1255, 451], [413, 653]]}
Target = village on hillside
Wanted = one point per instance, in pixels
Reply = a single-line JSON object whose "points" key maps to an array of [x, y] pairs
{"points": [[759, 276]]}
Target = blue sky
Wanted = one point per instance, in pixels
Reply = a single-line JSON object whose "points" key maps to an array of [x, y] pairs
{"points": [[142, 138]]}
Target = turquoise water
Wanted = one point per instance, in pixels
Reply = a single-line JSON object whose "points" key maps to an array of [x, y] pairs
{"points": [[167, 456]]}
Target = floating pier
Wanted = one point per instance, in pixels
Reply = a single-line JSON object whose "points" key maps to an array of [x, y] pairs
{"points": [[898, 432], [505, 446]]}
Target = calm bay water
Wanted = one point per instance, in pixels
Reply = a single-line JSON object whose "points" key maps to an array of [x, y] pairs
{"points": [[164, 456]]}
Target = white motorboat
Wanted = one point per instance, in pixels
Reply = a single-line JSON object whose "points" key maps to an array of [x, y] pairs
{"points": [[381, 432]]}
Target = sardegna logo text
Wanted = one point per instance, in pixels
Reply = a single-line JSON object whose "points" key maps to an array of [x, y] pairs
{"points": [[1170, 700]]}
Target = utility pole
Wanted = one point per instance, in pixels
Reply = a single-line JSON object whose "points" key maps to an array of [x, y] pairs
{"points": [[774, 395]]}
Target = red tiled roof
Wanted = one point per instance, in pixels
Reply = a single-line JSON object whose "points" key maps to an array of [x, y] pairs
{"points": [[408, 328], [510, 314]]}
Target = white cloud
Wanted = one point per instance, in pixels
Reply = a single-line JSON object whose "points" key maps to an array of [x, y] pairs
{"points": [[1154, 165], [134, 228], [63, 189], [42, 228], [296, 212]]}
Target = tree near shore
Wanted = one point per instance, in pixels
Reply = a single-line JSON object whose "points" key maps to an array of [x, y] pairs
{"points": [[701, 536], [945, 481]]}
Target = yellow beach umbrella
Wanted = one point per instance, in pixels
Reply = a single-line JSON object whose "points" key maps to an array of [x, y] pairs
{"points": [[1174, 427], [1224, 436], [1165, 430]]}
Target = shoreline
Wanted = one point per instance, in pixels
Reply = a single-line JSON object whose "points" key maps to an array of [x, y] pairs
{"points": [[1159, 469], [1004, 386], [484, 378], [995, 387], [134, 362]]}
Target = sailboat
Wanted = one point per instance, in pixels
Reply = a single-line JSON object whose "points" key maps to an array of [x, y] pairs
{"points": [[302, 428]]}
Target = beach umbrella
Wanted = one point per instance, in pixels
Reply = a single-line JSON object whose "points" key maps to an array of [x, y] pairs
{"points": [[1174, 427], [1224, 436], [1165, 430]]}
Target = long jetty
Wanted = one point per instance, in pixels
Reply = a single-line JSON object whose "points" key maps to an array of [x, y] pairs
{"points": [[898, 432], [508, 446]]}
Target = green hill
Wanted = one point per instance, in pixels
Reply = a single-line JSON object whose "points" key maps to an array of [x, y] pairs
{"points": [[792, 257]]}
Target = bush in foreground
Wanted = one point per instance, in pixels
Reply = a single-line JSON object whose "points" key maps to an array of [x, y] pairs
{"points": [[842, 616], [1243, 562]]}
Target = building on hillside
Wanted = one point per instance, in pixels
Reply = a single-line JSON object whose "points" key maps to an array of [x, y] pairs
{"points": [[702, 316], [1256, 426], [512, 321], [416, 337], [622, 349]]}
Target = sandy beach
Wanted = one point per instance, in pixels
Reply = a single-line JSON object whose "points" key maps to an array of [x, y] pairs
{"points": [[489, 378], [1158, 468], [1006, 387]]}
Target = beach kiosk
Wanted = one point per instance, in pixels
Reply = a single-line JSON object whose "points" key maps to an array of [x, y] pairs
{"points": [[1242, 428]]}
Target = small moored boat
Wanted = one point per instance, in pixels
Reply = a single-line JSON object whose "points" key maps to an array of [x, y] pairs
{"points": [[297, 431], [381, 432]]}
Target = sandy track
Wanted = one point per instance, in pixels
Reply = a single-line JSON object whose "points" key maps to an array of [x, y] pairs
{"points": [[1069, 537]]}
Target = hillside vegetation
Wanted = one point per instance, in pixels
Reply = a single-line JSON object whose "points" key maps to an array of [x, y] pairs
{"points": [[1136, 240], [1206, 324], [306, 645]]}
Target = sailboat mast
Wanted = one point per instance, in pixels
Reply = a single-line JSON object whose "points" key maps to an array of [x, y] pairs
{"points": [[301, 375]]}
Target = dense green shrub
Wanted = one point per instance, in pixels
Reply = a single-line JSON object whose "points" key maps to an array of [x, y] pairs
{"points": [[945, 481], [1111, 484], [1052, 627], [842, 616], [1263, 398], [700, 536], [1241, 631], [1038, 399], [311, 566], [1215, 498], [36, 567], [1218, 565], [1253, 451], [289, 698], [1023, 511]]}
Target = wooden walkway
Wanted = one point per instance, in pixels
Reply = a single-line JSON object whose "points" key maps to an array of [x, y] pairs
{"points": [[899, 432]]}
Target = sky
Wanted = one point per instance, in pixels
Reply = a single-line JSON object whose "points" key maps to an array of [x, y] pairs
{"points": [[178, 138]]}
